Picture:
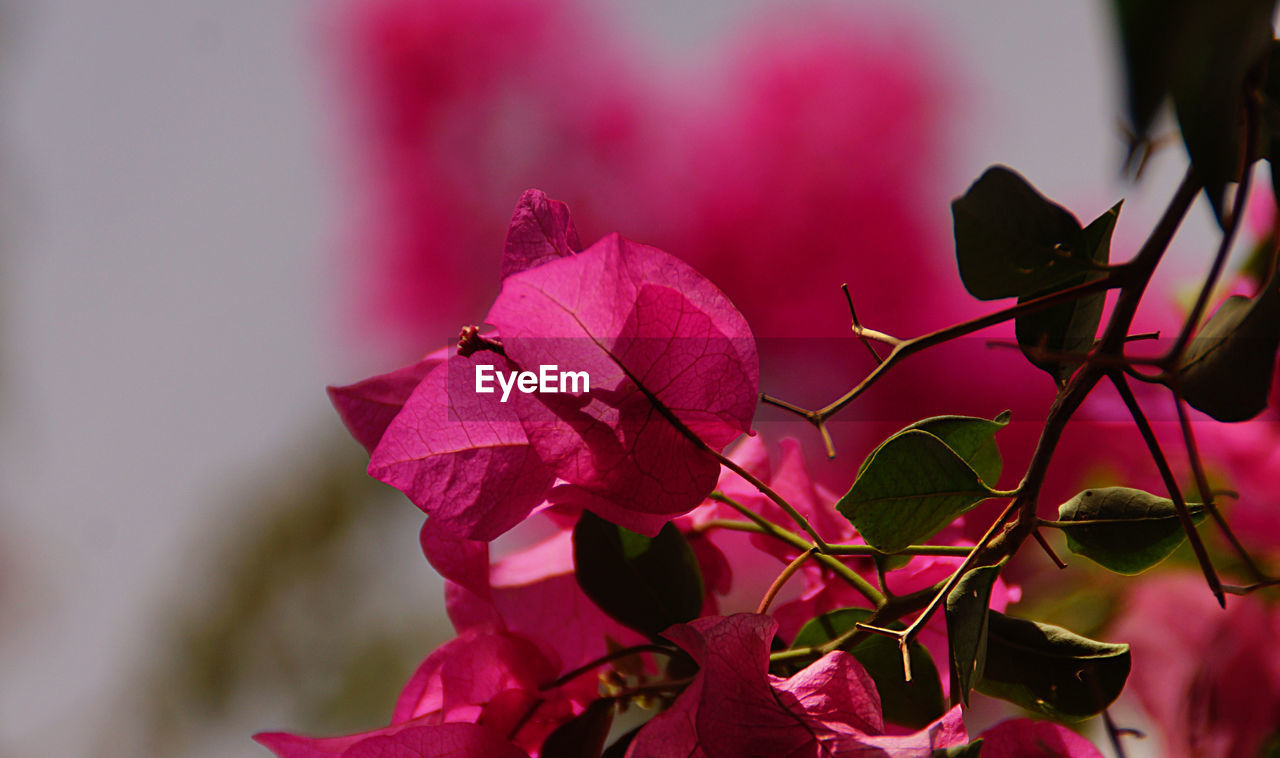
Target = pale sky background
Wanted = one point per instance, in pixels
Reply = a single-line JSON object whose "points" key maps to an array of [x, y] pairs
{"points": [[170, 209]]}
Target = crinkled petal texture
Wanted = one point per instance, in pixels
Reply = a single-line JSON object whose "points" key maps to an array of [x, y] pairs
{"points": [[667, 355], [368, 407], [460, 455], [735, 708], [1025, 738], [540, 231], [437, 741]]}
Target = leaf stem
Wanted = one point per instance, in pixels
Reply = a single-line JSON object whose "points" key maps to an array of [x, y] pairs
{"points": [[768, 492], [1174, 355], [1202, 482], [1044, 544], [859, 550], [864, 587], [786, 574], [606, 658]]}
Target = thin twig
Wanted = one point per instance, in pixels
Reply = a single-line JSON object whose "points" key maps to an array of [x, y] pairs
{"points": [[800, 543], [786, 574], [1171, 484], [606, 658], [857, 325], [1202, 482]]}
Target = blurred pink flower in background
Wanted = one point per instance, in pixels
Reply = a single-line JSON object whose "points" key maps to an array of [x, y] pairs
{"points": [[803, 168], [1210, 679]]}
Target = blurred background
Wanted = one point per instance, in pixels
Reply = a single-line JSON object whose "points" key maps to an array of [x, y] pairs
{"points": [[210, 211]]}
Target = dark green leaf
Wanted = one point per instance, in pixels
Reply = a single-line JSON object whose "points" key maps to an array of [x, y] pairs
{"points": [[1069, 327], [582, 736], [1012, 241], [966, 612], [1270, 137], [646, 584], [913, 704], [1202, 53], [1050, 670], [972, 750], [1220, 44], [1148, 31], [973, 439], [1123, 529], [911, 487], [1228, 367]]}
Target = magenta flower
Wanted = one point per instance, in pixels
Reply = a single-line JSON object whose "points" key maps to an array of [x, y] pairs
{"points": [[1024, 738], [734, 707], [407, 741], [1210, 679], [489, 682], [664, 374]]}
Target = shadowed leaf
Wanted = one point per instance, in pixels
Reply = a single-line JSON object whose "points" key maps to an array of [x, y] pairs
{"points": [[645, 583], [1123, 529], [1050, 670], [914, 704]]}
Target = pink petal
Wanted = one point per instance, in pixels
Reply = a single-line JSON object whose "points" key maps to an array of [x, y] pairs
{"points": [[735, 708], [368, 407], [1024, 738], [659, 342], [540, 231], [442, 741], [462, 456], [411, 740]]}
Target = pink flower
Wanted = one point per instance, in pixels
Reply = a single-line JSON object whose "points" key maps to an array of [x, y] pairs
{"points": [[1209, 678], [407, 741], [493, 679], [734, 707], [1024, 738], [665, 373]]}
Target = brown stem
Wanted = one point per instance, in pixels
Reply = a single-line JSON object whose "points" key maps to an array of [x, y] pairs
{"points": [[1171, 484]]}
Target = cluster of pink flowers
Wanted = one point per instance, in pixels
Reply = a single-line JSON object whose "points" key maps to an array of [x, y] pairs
{"points": [[745, 178], [674, 367]]}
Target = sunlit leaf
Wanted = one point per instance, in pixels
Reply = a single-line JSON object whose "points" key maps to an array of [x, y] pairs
{"points": [[911, 487]]}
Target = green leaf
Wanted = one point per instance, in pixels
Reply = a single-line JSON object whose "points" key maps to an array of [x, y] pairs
{"points": [[911, 487], [1221, 44], [973, 439], [1069, 327], [913, 704], [646, 584], [1203, 54], [1011, 240], [1050, 670], [972, 750], [583, 736], [966, 611], [1146, 36], [1228, 367], [1125, 530]]}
